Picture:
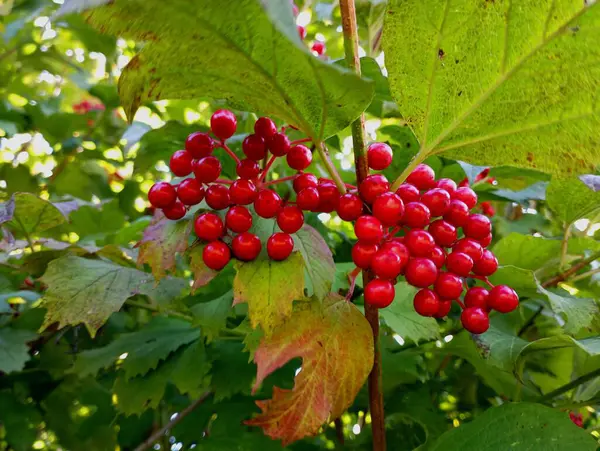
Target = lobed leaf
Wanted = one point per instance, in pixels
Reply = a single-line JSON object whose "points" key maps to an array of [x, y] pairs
{"points": [[31, 214], [14, 352], [571, 199], [318, 260]]}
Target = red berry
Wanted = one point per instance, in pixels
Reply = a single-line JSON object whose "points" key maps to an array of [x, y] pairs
{"points": [[280, 246], [308, 199], [290, 219], [388, 208], [299, 157], [470, 247], [217, 197], [422, 177], [265, 127], [305, 180], [503, 299], [190, 192], [487, 265], [419, 242], [466, 195], [209, 227], [242, 192], [246, 246], [318, 47], [485, 242], [199, 145], [329, 197], [408, 193], [175, 211], [207, 169], [301, 31], [444, 309], [446, 184], [448, 286], [437, 256], [478, 227], [267, 203], [349, 207], [477, 297], [238, 219], [421, 272], [399, 249], [475, 320], [416, 215], [362, 254], [443, 232], [254, 147], [426, 302], [162, 194], [372, 187], [459, 263], [379, 293], [279, 144], [386, 264], [437, 200], [216, 255], [379, 156], [181, 163], [247, 169], [223, 124], [457, 213], [368, 229]]}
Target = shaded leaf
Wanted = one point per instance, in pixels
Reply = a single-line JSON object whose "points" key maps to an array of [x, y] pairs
{"points": [[571, 199], [578, 312], [14, 352], [212, 315], [20, 422], [230, 359], [318, 260]]}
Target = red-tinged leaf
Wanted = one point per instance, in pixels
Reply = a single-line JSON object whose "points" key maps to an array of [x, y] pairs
{"points": [[162, 239], [202, 273], [335, 343]]}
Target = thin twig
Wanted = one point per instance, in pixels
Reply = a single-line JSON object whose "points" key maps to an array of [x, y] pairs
{"points": [[584, 275], [339, 431], [564, 246], [330, 167], [231, 153], [552, 282], [570, 386]]}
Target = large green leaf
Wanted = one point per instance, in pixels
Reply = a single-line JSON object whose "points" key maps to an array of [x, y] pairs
{"points": [[572, 199], [318, 261], [14, 352], [30, 214], [578, 312], [239, 53], [498, 83]]}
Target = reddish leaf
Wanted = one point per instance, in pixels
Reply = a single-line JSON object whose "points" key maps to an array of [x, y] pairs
{"points": [[202, 273], [335, 343]]}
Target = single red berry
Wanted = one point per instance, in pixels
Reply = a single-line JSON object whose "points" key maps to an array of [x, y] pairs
{"points": [[295, 9], [362, 254], [242, 192], [181, 163], [503, 299], [457, 213], [477, 297], [459, 263], [408, 193], [368, 229], [238, 219], [223, 124], [446, 184], [199, 145], [470, 247], [475, 320], [299, 157], [247, 169], [265, 128], [290, 219], [308, 199], [448, 285], [162, 194], [217, 197], [190, 192], [372, 187], [209, 227], [318, 48], [437, 200], [280, 246], [485, 242], [437, 256], [216, 255], [421, 272], [483, 174], [301, 31], [254, 147], [416, 215], [379, 156], [305, 180], [246, 246], [175, 211], [478, 227], [426, 302], [422, 177], [349, 207], [279, 144], [388, 208], [267, 203], [207, 169], [487, 265], [379, 293], [386, 264], [443, 233], [487, 209], [466, 195], [444, 309], [399, 249], [329, 197], [419, 242]]}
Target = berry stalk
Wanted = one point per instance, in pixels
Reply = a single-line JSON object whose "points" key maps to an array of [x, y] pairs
{"points": [[331, 170]]}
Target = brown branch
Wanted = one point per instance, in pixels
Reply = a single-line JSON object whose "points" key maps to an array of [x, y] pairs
{"points": [[339, 431], [552, 282]]}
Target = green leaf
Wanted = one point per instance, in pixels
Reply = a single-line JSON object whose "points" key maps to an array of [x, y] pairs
{"points": [[578, 312], [229, 359], [403, 320], [571, 199], [95, 222], [500, 345], [30, 214], [478, 85], [523, 281], [212, 316], [20, 422], [281, 77], [14, 352], [517, 426], [318, 261]]}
